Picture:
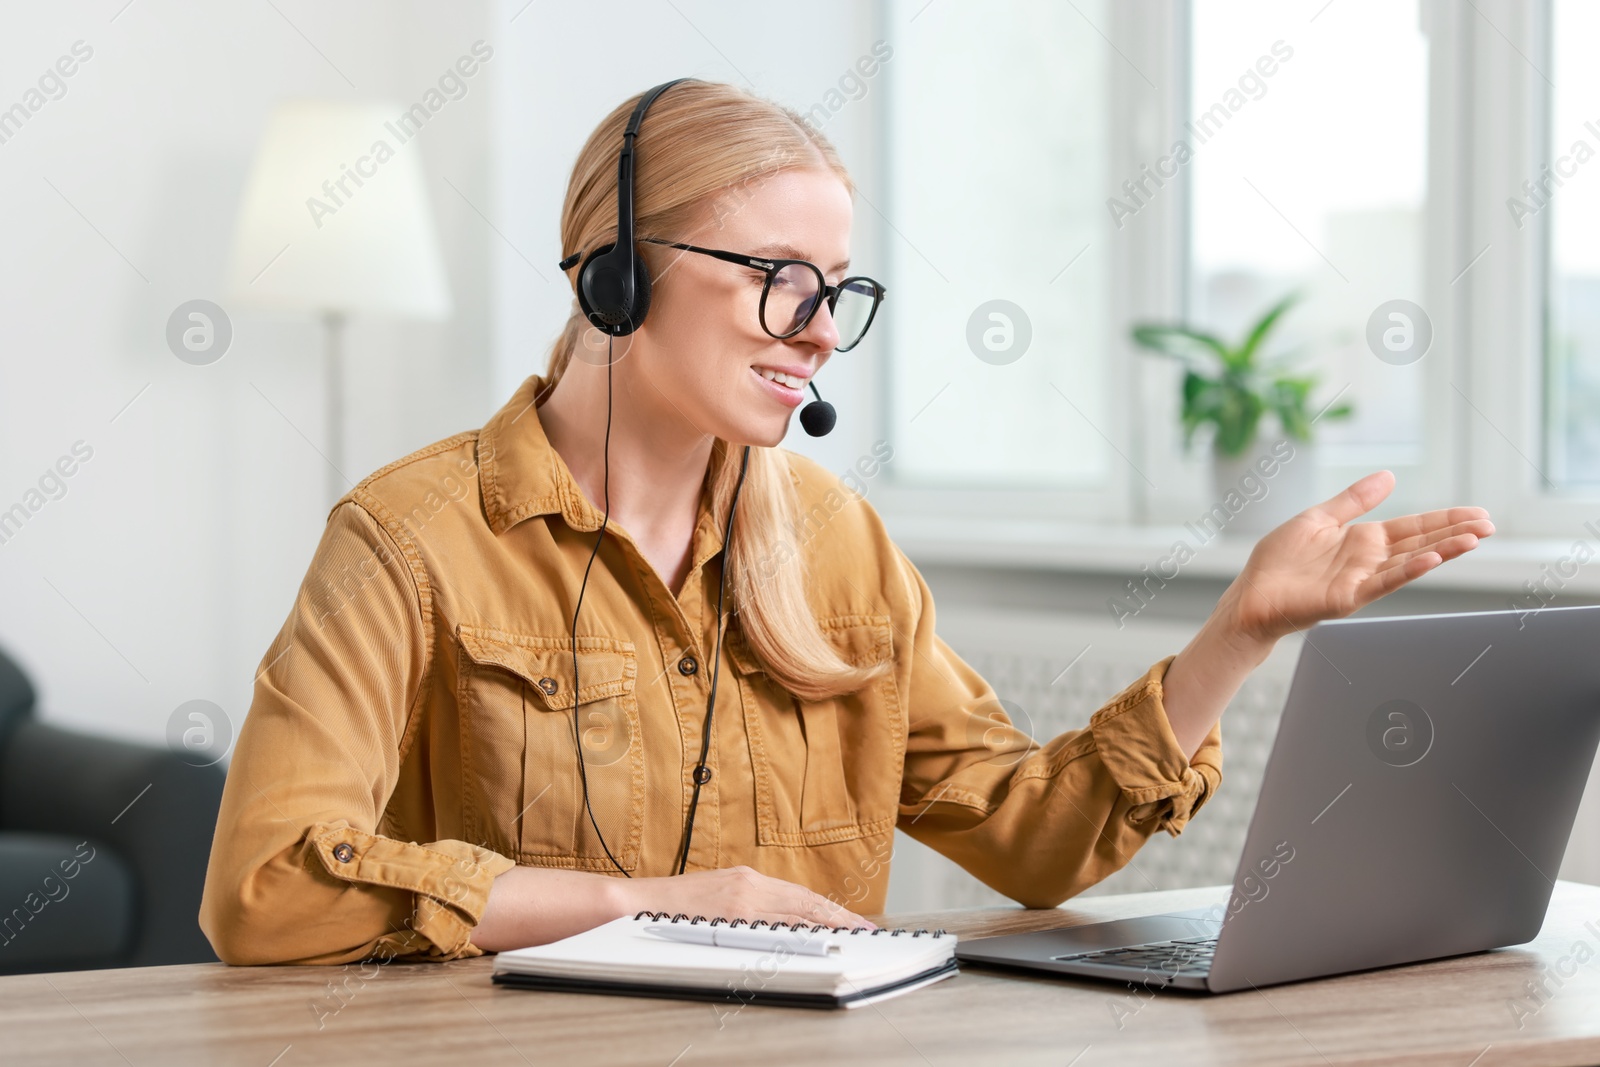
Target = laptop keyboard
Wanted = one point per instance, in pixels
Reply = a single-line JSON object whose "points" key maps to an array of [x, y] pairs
{"points": [[1184, 956]]}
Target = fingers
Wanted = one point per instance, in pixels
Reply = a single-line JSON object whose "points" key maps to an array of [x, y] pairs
{"points": [[1477, 528], [759, 896], [823, 910], [1430, 522], [812, 914], [1359, 497], [1445, 548], [1408, 566], [1387, 581]]}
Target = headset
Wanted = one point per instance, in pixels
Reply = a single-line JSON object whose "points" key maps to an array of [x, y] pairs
{"points": [[614, 294]]}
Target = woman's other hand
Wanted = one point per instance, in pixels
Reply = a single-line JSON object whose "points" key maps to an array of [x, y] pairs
{"points": [[739, 893], [537, 905]]}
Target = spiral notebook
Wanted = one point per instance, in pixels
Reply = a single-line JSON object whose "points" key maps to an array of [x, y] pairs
{"points": [[622, 958]]}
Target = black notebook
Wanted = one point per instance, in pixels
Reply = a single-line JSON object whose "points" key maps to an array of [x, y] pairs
{"points": [[624, 957]]}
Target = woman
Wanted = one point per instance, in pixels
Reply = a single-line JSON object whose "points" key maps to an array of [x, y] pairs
{"points": [[410, 780]]}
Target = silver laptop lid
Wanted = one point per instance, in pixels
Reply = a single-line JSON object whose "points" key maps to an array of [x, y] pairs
{"points": [[1420, 793]]}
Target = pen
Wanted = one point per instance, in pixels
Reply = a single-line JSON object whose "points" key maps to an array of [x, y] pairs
{"points": [[755, 940]]}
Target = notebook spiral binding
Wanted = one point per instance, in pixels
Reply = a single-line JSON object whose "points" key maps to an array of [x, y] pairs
{"points": [[659, 916]]}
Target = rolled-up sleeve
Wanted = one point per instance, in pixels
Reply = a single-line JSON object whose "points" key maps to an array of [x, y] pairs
{"points": [[299, 872], [1039, 823], [1135, 743]]}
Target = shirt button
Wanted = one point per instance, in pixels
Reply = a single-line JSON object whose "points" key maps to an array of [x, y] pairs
{"points": [[549, 685], [343, 852], [687, 665], [702, 775]]}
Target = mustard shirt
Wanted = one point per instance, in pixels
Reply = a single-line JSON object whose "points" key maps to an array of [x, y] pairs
{"points": [[410, 735]]}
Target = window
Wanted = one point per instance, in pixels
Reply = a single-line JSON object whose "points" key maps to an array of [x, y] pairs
{"points": [[998, 306]]}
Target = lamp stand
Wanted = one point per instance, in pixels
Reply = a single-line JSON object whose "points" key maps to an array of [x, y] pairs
{"points": [[333, 367]]}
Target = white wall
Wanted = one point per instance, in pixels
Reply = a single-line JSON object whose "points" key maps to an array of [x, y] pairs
{"points": [[163, 572]]}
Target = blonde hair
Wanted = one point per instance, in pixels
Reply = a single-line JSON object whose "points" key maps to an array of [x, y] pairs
{"points": [[700, 148]]}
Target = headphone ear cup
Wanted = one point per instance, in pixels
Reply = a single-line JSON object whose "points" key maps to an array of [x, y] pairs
{"points": [[602, 293], [599, 287]]}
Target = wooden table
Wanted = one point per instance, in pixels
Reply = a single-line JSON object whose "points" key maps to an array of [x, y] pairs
{"points": [[1463, 1012]]}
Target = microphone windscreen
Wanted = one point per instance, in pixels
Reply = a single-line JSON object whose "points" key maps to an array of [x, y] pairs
{"points": [[818, 417]]}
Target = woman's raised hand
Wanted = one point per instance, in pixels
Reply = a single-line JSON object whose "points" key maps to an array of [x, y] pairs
{"points": [[1322, 564]]}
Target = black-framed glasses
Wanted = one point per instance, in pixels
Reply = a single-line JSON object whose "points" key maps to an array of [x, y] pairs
{"points": [[789, 299]]}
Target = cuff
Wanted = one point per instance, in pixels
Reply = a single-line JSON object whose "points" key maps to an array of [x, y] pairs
{"points": [[1137, 746], [450, 880]]}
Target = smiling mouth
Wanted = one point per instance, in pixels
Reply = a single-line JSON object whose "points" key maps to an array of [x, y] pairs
{"points": [[790, 380]]}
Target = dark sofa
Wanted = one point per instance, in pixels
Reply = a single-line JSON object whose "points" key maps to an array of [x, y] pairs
{"points": [[103, 845]]}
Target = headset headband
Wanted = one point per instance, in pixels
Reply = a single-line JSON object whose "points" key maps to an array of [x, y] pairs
{"points": [[613, 288], [625, 168]]}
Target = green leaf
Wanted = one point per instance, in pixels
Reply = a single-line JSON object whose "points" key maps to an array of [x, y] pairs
{"points": [[1339, 411], [1201, 404], [1246, 354], [1236, 426], [1178, 342], [1295, 391], [1292, 417]]}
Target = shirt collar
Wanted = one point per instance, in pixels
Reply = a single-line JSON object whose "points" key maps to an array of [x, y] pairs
{"points": [[522, 475], [520, 472]]}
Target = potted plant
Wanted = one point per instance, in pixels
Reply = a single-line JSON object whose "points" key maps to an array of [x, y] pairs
{"points": [[1233, 388]]}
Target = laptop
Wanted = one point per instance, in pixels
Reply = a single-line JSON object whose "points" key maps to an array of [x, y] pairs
{"points": [[1416, 805]]}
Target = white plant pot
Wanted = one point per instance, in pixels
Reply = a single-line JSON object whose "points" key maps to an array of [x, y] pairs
{"points": [[1271, 482]]}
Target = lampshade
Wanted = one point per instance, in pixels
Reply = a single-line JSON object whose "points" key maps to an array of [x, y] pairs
{"points": [[336, 218]]}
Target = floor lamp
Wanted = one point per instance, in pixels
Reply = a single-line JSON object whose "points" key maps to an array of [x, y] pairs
{"points": [[335, 222]]}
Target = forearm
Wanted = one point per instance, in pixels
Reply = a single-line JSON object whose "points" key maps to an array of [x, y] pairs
{"points": [[1208, 672], [537, 905], [1061, 816]]}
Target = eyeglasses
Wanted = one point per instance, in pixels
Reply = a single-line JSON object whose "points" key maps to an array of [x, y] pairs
{"points": [[789, 299]]}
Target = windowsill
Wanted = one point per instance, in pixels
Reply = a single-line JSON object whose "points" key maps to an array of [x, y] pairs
{"points": [[1500, 564]]}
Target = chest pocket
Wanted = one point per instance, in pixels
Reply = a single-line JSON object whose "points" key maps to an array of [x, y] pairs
{"points": [[825, 770], [524, 797]]}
